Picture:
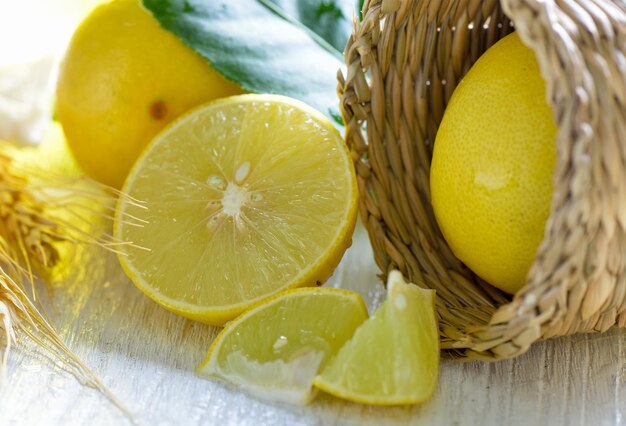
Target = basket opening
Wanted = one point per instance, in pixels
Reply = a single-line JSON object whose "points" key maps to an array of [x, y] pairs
{"points": [[400, 77], [401, 223]]}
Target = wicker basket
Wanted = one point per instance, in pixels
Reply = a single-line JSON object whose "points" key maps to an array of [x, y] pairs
{"points": [[404, 59]]}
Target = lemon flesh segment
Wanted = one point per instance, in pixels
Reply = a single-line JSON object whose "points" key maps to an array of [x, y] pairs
{"points": [[240, 199], [393, 357], [275, 350]]}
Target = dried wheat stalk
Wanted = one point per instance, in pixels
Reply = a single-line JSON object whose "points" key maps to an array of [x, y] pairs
{"points": [[29, 232]]}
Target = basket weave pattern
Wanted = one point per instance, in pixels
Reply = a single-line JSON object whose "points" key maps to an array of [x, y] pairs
{"points": [[404, 60]]}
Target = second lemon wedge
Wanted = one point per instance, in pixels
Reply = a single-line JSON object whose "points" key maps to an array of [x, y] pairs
{"points": [[393, 358]]}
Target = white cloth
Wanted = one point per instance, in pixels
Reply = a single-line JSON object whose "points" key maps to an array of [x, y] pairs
{"points": [[34, 35]]}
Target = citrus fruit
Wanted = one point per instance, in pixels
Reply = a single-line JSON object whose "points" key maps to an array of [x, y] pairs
{"points": [[275, 350], [122, 80], [51, 156], [494, 155], [393, 357], [241, 198]]}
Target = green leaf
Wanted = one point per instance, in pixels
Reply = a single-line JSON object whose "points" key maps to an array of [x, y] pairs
{"points": [[330, 19], [262, 45]]}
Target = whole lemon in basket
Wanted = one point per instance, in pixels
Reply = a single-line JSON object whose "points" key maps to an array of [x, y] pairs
{"points": [[122, 80], [492, 166]]}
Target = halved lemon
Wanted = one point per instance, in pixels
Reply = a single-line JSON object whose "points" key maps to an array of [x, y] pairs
{"points": [[275, 350], [239, 199], [393, 358]]}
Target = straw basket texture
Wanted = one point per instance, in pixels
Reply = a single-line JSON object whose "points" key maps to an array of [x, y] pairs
{"points": [[404, 60]]}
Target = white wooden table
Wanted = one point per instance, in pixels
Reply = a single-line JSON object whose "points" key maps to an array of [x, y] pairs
{"points": [[146, 356]]}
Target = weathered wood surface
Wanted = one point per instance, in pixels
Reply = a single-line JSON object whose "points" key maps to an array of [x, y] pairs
{"points": [[146, 356]]}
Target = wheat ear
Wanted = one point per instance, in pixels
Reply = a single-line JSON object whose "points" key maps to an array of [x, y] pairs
{"points": [[29, 234]]}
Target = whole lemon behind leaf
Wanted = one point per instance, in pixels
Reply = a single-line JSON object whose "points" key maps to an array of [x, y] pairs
{"points": [[122, 80], [492, 166]]}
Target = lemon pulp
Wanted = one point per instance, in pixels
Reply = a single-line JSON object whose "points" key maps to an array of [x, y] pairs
{"points": [[240, 198]]}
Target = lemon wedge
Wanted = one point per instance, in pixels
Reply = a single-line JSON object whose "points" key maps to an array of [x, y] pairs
{"points": [[238, 200], [393, 357], [275, 350]]}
